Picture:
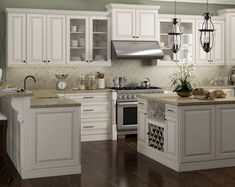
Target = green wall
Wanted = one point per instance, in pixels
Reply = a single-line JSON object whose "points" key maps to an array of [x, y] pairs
{"points": [[166, 7]]}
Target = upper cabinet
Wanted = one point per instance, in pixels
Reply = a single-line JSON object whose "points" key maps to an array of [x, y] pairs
{"points": [[52, 37], [191, 50], [88, 40], [16, 40], [35, 39], [45, 39], [216, 55], [134, 22], [187, 51], [229, 15]]}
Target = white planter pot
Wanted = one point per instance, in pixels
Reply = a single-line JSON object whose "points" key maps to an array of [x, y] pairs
{"points": [[101, 83]]}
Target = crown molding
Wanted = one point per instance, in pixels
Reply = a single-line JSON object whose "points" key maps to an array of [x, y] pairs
{"points": [[228, 2]]}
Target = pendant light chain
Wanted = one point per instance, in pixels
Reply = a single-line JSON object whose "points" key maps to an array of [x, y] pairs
{"points": [[175, 34], [207, 31], [175, 8]]}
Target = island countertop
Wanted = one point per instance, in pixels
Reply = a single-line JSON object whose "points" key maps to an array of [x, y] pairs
{"points": [[173, 99]]}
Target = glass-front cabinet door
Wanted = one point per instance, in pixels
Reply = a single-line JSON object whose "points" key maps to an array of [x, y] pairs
{"points": [[78, 40], [89, 41], [100, 41], [186, 53]]}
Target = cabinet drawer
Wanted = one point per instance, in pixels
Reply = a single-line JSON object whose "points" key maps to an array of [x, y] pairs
{"points": [[94, 109], [89, 97], [142, 104], [97, 127], [171, 111]]}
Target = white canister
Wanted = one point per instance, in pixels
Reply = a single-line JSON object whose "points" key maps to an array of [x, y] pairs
{"points": [[101, 83], [74, 43]]}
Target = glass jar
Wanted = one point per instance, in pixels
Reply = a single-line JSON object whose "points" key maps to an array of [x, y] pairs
{"points": [[82, 83], [90, 82]]}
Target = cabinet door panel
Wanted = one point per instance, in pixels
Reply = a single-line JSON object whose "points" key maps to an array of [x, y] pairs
{"points": [[172, 138], [146, 25], [197, 133], [124, 25], [142, 125], [16, 39], [56, 39], [225, 131], [55, 137], [231, 39], [36, 38], [218, 49]]}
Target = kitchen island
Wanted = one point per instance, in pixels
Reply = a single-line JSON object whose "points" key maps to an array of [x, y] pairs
{"points": [[187, 134], [43, 135]]}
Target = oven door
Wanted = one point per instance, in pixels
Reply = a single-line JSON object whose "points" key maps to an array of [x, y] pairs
{"points": [[127, 115]]}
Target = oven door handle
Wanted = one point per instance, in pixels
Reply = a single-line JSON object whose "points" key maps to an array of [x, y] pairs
{"points": [[127, 103]]}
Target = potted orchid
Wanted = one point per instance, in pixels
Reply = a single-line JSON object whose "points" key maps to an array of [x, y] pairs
{"points": [[183, 80]]}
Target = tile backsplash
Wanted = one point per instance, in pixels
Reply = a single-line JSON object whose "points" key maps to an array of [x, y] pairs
{"points": [[134, 70]]}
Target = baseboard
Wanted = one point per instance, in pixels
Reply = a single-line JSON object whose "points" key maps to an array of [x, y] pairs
{"points": [[96, 137], [38, 173]]}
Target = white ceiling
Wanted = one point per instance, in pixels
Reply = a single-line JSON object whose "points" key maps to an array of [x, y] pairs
{"points": [[231, 2]]}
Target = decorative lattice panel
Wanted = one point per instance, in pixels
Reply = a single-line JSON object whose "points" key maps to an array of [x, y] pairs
{"points": [[156, 137]]}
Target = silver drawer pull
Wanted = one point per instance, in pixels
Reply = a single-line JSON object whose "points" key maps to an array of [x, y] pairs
{"points": [[88, 97], [140, 103], [170, 110], [89, 110], [88, 127]]}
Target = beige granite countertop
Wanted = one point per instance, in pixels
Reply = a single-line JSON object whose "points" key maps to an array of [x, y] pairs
{"points": [[49, 98], [16, 94], [189, 101], [207, 87], [52, 102]]}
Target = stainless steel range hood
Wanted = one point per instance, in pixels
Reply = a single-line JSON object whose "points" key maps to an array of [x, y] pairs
{"points": [[136, 50]]}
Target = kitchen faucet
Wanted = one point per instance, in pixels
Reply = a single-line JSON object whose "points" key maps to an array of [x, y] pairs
{"points": [[29, 76]]}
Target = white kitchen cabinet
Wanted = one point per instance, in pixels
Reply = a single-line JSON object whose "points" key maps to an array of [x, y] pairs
{"points": [[45, 39], [229, 15], [35, 39], [197, 133], [134, 22], [89, 43], [55, 136], [216, 55], [226, 129], [142, 121], [172, 138], [16, 39], [96, 115], [187, 51]]}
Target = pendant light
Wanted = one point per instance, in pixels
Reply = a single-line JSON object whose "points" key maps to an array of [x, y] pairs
{"points": [[207, 32], [175, 34]]}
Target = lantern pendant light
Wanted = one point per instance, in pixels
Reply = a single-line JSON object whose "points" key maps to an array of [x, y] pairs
{"points": [[175, 34], [207, 32]]}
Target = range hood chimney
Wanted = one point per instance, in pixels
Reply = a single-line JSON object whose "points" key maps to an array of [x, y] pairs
{"points": [[136, 50]]}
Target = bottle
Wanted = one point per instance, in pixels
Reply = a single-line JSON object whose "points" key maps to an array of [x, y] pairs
{"points": [[82, 82], [90, 82]]}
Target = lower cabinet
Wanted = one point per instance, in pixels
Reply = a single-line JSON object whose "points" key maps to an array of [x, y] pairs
{"points": [[191, 137], [55, 141], [142, 122], [197, 135], [225, 118], [97, 115]]}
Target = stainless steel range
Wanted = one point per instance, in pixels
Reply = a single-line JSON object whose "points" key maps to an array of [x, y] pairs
{"points": [[127, 107]]}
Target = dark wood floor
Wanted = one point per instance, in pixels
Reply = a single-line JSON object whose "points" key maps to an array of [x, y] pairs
{"points": [[117, 164]]}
